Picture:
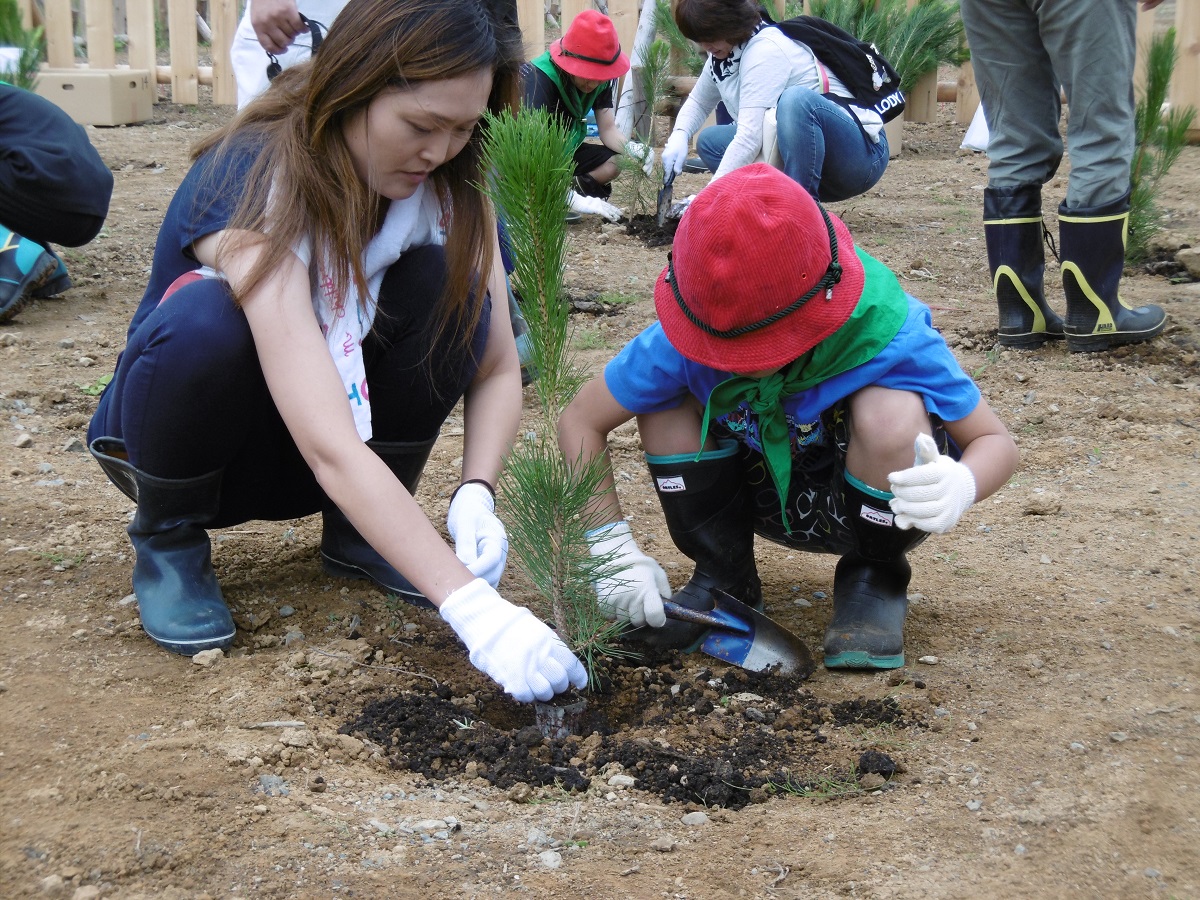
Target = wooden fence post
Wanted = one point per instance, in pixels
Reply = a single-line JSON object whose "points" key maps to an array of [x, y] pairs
{"points": [[60, 34], [185, 73], [100, 48], [1185, 83], [967, 99], [224, 21], [531, 16], [139, 27]]}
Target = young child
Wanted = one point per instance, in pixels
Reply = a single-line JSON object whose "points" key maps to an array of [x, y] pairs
{"points": [[575, 77], [781, 393]]}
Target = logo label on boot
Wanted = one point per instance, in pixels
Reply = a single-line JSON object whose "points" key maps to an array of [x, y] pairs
{"points": [[877, 516], [671, 484]]}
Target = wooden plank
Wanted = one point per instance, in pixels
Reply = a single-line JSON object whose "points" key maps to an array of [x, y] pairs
{"points": [[181, 29], [102, 53], [139, 24], [967, 97], [570, 9], [1185, 83], [921, 102], [25, 8], [531, 16], [60, 34], [1145, 34], [224, 22]]}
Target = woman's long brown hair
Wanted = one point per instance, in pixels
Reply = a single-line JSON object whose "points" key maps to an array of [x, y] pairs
{"points": [[299, 123]]}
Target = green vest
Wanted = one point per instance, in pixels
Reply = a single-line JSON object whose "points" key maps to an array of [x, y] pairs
{"points": [[579, 105]]}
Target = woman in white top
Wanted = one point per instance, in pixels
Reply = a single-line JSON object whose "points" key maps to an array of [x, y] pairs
{"points": [[835, 150]]}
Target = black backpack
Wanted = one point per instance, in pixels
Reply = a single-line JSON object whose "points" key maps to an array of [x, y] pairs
{"points": [[857, 64]]}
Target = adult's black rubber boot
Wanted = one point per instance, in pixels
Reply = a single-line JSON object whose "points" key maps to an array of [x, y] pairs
{"points": [[346, 553], [1012, 226], [870, 586], [178, 597], [1092, 244], [710, 518], [590, 187]]}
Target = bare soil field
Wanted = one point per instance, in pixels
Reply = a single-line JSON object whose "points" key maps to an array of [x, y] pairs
{"points": [[1043, 740]]}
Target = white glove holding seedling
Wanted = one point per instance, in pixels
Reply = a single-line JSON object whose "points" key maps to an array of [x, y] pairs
{"points": [[675, 152], [636, 588], [511, 645], [934, 493], [581, 204], [642, 153], [480, 541]]}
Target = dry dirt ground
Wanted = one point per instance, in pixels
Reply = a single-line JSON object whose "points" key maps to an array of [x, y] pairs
{"points": [[1046, 746]]}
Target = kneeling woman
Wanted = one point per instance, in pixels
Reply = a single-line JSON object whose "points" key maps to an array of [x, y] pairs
{"points": [[320, 300]]}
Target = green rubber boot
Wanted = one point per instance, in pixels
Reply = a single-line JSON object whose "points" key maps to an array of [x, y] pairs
{"points": [[870, 586]]}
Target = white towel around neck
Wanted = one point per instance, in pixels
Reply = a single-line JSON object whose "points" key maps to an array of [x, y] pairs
{"points": [[345, 321]]}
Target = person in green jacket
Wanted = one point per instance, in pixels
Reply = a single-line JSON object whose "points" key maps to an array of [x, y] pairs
{"points": [[573, 78]]}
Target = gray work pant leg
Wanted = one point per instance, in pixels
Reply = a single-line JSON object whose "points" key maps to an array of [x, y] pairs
{"points": [[1022, 51]]}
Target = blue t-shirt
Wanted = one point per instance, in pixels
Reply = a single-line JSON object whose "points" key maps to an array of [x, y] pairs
{"points": [[649, 375]]}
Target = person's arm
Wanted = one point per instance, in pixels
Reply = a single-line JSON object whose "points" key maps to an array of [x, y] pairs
{"points": [[583, 430], [934, 493], [506, 642], [610, 134], [988, 450], [765, 71], [633, 586], [492, 404], [276, 23]]}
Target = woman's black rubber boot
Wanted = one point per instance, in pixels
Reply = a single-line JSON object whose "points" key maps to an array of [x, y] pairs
{"points": [[1092, 243], [1012, 226], [710, 519], [346, 554], [178, 597], [870, 587]]}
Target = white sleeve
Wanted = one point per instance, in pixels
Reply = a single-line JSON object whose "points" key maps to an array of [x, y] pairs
{"points": [[747, 141], [766, 72], [700, 102]]}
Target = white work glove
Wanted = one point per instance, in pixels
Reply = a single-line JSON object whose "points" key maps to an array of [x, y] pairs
{"points": [[675, 152], [642, 153], [480, 541], [934, 493], [581, 204], [510, 644], [637, 585]]}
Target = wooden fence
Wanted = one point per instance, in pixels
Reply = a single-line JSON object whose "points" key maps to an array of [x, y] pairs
{"points": [[184, 73]]}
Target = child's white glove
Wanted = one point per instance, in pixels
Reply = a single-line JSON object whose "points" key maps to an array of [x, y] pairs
{"points": [[637, 585], [581, 204], [675, 152], [642, 153], [934, 493], [480, 541], [511, 645]]}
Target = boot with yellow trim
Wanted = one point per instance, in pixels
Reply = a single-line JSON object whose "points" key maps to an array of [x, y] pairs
{"points": [[1012, 226], [1092, 244]]}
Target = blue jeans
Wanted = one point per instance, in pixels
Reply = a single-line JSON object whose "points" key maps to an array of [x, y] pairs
{"points": [[823, 148]]}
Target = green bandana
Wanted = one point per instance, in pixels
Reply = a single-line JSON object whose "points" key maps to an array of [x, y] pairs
{"points": [[579, 105], [878, 317]]}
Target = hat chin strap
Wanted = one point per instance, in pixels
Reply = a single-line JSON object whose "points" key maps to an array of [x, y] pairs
{"points": [[833, 275]]}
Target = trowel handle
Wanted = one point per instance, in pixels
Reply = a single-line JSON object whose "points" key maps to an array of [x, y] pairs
{"points": [[714, 619]]}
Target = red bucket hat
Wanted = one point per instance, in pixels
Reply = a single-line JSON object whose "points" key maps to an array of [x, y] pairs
{"points": [[590, 49], [759, 274]]}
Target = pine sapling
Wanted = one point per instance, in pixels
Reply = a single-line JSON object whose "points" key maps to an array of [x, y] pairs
{"points": [[1158, 141], [546, 504]]}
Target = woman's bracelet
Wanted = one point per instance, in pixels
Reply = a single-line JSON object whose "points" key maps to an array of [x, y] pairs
{"points": [[487, 484]]}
